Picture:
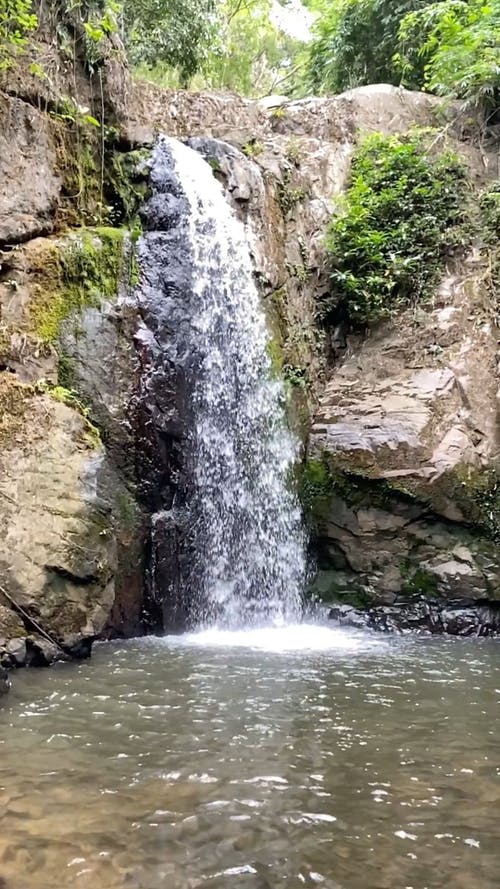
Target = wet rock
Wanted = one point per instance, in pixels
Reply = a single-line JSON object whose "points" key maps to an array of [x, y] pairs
{"points": [[427, 617], [15, 652], [4, 688], [42, 653]]}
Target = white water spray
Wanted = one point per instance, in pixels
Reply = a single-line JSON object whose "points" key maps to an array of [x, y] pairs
{"points": [[249, 542]]}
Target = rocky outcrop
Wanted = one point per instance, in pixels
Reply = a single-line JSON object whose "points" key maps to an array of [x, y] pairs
{"points": [[407, 430], [71, 559], [423, 618]]}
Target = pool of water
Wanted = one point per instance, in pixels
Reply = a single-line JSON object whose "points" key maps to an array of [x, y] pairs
{"points": [[284, 758]]}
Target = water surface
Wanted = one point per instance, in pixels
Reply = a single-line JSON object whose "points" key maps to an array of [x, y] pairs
{"points": [[280, 759]]}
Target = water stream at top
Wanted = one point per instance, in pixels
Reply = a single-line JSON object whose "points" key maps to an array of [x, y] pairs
{"points": [[249, 542]]}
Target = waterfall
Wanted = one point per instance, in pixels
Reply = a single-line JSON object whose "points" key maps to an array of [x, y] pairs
{"points": [[245, 555]]}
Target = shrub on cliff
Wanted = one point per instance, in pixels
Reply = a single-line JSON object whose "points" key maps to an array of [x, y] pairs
{"points": [[16, 22], [457, 45], [399, 221]]}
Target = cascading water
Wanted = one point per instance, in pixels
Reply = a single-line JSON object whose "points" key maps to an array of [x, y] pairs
{"points": [[246, 551]]}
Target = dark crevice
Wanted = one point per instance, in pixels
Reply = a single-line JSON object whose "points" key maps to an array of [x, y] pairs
{"points": [[77, 579]]}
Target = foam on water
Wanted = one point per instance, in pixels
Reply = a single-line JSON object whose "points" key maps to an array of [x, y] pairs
{"points": [[299, 637]]}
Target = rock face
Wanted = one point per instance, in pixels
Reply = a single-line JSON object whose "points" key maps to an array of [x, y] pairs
{"points": [[57, 557], [409, 426], [406, 422], [29, 180]]}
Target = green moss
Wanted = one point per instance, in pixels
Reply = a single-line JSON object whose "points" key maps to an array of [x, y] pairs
{"points": [[316, 486], [134, 271], [79, 164], [127, 512], [319, 482], [419, 582], [275, 352], [402, 216], [215, 164], [126, 184], [478, 495], [71, 398], [332, 587], [66, 372], [82, 271]]}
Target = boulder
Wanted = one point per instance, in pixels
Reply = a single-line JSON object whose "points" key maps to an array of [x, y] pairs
{"points": [[57, 552]]}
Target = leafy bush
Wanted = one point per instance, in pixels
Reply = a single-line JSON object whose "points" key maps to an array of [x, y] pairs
{"points": [[400, 219], [16, 21], [459, 42]]}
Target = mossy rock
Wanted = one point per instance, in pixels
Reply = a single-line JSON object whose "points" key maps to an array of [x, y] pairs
{"points": [[127, 185], [419, 582], [331, 587], [70, 275], [477, 493]]}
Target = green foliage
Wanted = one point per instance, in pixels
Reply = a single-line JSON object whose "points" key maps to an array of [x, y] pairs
{"points": [[449, 47], [289, 192], [459, 43], [251, 54], [68, 110], [355, 42], [100, 20], [399, 222], [175, 33], [16, 23], [489, 206], [253, 148], [231, 44], [295, 376]]}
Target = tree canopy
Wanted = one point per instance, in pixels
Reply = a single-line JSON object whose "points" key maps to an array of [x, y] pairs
{"points": [[355, 43], [233, 44], [449, 47], [459, 43]]}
